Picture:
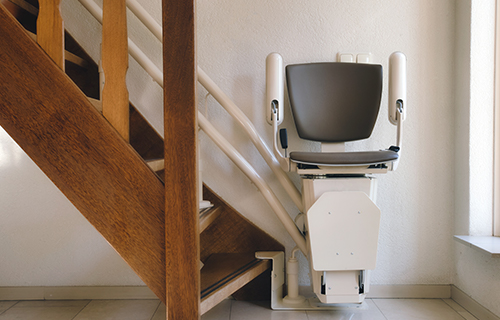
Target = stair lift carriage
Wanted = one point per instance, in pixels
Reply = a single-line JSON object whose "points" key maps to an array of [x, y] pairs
{"points": [[333, 103]]}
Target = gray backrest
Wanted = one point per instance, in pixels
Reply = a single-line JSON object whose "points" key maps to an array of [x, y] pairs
{"points": [[334, 102]]}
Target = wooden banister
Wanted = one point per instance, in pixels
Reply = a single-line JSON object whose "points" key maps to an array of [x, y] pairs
{"points": [[115, 103], [181, 172], [55, 124], [50, 30], [155, 229]]}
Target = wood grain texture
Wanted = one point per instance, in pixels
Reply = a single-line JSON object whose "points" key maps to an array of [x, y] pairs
{"points": [[50, 30], [115, 104], [181, 169], [55, 124], [225, 273]]}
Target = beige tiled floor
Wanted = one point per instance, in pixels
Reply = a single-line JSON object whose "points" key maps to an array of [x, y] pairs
{"points": [[383, 309]]}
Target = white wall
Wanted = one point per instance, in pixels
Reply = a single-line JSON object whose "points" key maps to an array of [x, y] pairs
{"points": [[417, 200], [44, 240], [234, 37]]}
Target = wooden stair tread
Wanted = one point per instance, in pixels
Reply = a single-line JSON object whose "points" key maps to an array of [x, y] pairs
{"points": [[156, 164], [225, 273], [207, 216]]}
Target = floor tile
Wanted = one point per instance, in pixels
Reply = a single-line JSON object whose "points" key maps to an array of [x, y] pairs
{"points": [[4, 305], [44, 310], [118, 310], [409, 309], [222, 311], [160, 313], [52, 303], [243, 310], [371, 312], [377, 309]]}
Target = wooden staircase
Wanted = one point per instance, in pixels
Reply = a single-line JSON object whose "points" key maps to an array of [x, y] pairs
{"points": [[152, 222]]}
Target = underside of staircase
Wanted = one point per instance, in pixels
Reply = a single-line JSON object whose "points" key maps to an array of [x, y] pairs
{"points": [[137, 210]]}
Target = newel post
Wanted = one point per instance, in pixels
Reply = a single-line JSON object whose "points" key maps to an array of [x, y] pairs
{"points": [[181, 170], [115, 103]]}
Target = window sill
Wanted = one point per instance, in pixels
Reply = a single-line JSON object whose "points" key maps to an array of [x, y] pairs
{"points": [[488, 245]]}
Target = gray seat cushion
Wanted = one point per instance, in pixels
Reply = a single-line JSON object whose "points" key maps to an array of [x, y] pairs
{"points": [[344, 158]]}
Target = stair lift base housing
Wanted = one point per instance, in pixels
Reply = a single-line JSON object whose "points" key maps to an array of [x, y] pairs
{"points": [[342, 227]]}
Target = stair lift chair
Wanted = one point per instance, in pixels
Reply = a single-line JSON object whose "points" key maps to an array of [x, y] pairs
{"points": [[333, 103]]}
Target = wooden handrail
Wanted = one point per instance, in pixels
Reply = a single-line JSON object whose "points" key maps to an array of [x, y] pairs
{"points": [[181, 172], [115, 103], [50, 30]]}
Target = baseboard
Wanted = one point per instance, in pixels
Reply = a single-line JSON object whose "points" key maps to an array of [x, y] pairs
{"points": [[471, 305], [76, 293], [409, 291]]}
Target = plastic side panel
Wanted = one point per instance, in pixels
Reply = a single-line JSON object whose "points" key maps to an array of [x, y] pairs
{"points": [[343, 231]]}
